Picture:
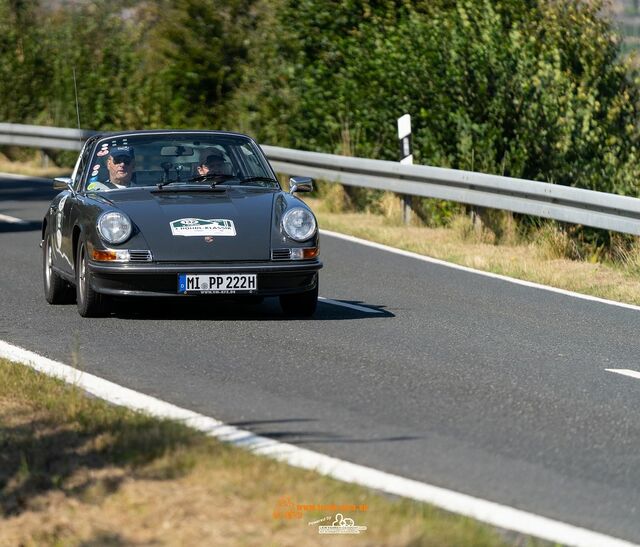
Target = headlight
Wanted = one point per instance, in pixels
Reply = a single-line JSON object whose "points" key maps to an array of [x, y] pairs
{"points": [[114, 227], [299, 224]]}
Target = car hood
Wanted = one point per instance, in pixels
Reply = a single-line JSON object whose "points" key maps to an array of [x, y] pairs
{"points": [[247, 212]]}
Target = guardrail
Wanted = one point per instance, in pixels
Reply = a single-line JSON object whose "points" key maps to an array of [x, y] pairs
{"points": [[41, 136], [563, 203]]}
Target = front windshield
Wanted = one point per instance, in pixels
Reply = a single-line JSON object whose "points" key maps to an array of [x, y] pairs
{"points": [[177, 159]]}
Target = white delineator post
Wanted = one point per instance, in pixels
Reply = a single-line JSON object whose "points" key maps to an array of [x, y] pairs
{"points": [[406, 157]]}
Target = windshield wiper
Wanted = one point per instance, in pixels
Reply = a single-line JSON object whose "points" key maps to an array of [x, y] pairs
{"points": [[191, 188], [215, 178], [187, 186], [259, 179], [166, 182]]}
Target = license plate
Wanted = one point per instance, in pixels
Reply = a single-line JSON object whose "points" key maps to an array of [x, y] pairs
{"points": [[217, 283]]}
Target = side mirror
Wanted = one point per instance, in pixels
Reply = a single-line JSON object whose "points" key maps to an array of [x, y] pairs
{"points": [[62, 183], [300, 184]]}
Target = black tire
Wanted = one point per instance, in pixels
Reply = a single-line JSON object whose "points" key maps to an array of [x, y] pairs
{"points": [[90, 303], [300, 304], [56, 289]]}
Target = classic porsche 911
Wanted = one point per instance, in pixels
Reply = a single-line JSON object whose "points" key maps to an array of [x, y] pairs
{"points": [[182, 214]]}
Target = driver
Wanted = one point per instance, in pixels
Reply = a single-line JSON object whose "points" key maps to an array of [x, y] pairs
{"points": [[120, 164]]}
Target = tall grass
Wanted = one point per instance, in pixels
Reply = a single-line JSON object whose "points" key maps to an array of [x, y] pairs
{"points": [[78, 471]]}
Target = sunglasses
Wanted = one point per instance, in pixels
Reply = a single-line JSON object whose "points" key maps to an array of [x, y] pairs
{"points": [[122, 159]]}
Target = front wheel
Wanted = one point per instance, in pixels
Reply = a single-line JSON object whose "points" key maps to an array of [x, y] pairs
{"points": [[300, 304], [56, 289], [90, 302]]}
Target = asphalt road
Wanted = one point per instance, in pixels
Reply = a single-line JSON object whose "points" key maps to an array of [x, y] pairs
{"points": [[471, 383]]}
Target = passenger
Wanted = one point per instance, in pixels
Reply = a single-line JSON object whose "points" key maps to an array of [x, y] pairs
{"points": [[212, 161]]}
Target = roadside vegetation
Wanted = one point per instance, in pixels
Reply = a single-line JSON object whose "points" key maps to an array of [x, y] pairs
{"points": [[32, 166], [531, 89], [78, 471], [539, 250]]}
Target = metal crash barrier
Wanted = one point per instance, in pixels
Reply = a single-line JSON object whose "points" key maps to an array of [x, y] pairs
{"points": [[553, 201]]}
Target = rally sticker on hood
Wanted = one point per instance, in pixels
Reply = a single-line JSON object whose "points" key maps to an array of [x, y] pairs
{"points": [[201, 227]]}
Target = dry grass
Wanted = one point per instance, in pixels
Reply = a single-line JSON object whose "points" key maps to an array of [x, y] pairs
{"points": [[32, 167], [77, 471], [473, 245]]}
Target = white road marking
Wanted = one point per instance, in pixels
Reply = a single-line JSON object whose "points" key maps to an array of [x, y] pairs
{"points": [[493, 513], [424, 258], [12, 220], [347, 305], [625, 372], [25, 177]]}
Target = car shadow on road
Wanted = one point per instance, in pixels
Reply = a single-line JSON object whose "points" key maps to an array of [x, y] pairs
{"points": [[212, 309], [311, 437], [27, 226], [26, 190], [353, 305]]}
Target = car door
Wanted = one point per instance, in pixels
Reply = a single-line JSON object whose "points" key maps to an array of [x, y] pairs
{"points": [[68, 208]]}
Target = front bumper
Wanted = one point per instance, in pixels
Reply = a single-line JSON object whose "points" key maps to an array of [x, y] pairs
{"points": [[161, 279]]}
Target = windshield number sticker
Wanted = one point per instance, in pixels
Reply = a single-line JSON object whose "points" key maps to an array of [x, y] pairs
{"points": [[201, 227]]}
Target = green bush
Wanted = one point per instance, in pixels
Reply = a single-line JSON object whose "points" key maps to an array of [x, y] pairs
{"points": [[530, 89], [170, 63]]}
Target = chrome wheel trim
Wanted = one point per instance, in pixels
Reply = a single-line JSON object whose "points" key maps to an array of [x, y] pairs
{"points": [[82, 275], [47, 270]]}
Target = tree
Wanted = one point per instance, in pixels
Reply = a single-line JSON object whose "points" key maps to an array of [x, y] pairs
{"points": [[23, 64], [531, 89], [198, 49]]}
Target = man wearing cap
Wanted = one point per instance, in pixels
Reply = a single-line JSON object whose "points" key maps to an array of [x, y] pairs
{"points": [[212, 161], [120, 164]]}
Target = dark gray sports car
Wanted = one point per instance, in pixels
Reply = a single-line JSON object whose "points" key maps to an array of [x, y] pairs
{"points": [[178, 213]]}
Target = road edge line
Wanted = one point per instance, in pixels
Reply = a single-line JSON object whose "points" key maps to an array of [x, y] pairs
{"points": [[486, 511], [440, 262], [18, 176], [625, 372], [12, 220]]}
